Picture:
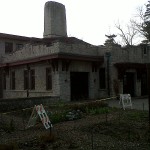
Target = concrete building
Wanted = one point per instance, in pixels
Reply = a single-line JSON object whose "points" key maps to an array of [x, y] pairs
{"points": [[67, 67]]}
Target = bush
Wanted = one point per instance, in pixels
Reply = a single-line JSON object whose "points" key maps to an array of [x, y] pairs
{"points": [[57, 117]]}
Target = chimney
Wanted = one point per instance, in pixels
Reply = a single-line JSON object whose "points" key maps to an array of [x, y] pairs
{"points": [[54, 20]]}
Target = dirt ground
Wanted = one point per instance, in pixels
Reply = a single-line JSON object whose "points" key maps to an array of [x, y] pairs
{"points": [[112, 131]]}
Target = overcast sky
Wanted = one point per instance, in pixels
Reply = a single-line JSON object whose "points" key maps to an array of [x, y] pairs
{"points": [[88, 20]]}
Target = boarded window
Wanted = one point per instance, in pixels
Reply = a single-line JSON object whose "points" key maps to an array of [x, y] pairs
{"points": [[13, 81], [48, 79], [8, 47], [26, 80], [102, 78], [32, 79]]}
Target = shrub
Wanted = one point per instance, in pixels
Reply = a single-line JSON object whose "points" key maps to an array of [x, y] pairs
{"points": [[57, 116]]}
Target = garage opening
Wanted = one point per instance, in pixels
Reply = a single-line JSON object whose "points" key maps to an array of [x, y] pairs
{"points": [[79, 85]]}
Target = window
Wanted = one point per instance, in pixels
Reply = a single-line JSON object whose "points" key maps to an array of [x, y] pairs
{"points": [[8, 47], [94, 67], [48, 79], [4, 81], [12, 81], [29, 79], [32, 79], [19, 46], [26, 80], [102, 78], [63, 66], [145, 50]]}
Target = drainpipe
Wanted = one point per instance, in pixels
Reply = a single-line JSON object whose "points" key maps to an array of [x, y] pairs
{"points": [[108, 55]]}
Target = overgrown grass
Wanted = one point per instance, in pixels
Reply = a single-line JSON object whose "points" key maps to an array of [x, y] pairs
{"points": [[87, 105], [129, 126], [94, 111], [59, 111], [57, 116]]}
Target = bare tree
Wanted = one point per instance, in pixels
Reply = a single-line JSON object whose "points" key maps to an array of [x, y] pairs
{"points": [[137, 28], [138, 22], [127, 34]]}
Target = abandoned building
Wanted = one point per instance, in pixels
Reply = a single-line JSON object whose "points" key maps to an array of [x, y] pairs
{"points": [[66, 67]]}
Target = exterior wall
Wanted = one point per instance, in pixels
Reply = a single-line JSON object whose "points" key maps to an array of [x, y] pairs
{"points": [[94, 85], [64, 84], [40, 82], [34, 51], [60, 81], [19, 92], [80, 66], [15, 42], [126, 55], [103, 92], [2, 48]]}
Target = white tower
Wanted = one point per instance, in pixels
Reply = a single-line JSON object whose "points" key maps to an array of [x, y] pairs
{"points": [[54, 20]]}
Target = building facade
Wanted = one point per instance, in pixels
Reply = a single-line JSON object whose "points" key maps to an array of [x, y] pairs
{"points": [[67, 67]]}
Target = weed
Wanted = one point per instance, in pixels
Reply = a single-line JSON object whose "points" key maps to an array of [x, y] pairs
{"points": [[57, 116]]}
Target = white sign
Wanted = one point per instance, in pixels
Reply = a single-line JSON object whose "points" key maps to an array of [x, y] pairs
{"points": [[43, 116], [125, 100], [39, 110]]}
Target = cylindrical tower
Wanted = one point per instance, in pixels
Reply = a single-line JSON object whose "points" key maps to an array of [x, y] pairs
{"points": [[54, 20]]}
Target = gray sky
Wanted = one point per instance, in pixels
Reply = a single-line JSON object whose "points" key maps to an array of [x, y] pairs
{"points": [[88, 20]]}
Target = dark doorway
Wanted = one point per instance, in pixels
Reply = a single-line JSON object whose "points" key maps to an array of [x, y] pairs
{"points": [[129, 83], [144, 84], [79, 85]]}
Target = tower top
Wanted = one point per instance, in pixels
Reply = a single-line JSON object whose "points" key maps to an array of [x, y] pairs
{"points": [[54, 20]]}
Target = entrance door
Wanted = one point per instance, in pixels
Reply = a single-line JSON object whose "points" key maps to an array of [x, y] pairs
{"points": [[129, 83], [79, 85], [144, 84]]}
